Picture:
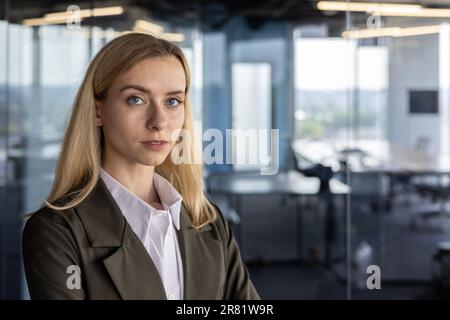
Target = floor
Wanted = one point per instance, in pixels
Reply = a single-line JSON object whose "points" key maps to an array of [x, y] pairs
{"points": [[402, 242]]}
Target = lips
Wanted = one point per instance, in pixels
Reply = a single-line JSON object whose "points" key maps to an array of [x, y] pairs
{"points": [[155, 142], [155, 145]]}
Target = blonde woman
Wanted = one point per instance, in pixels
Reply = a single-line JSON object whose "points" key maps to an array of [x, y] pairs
{"points": [[123, 220]]}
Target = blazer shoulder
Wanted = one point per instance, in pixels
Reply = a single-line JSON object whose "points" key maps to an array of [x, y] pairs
{"points": [[220, 223], [49, 246], [220, 217], [60, 219]]}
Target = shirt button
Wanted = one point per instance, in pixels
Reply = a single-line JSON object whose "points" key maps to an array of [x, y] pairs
{"points": [[171, 297]]}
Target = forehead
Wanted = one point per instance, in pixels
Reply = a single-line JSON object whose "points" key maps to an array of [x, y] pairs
{"points": [[161, 73]]}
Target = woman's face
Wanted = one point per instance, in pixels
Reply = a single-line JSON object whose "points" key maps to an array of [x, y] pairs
{"points": [[144, 104]]}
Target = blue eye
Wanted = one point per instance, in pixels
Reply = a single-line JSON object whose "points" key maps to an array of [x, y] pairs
{"points": [[172, 102], [134, 100]]}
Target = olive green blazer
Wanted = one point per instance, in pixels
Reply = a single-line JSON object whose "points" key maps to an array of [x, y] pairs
{"points": [[114, 264]]}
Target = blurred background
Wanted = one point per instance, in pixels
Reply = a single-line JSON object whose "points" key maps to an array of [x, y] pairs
{"points": [[358, 91]]}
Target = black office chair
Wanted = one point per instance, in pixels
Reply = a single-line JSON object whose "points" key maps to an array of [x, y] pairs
{"points": [[324, 174], [431, 187]]}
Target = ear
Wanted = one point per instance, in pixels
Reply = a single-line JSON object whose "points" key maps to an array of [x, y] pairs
{"points": [[98, 113]]}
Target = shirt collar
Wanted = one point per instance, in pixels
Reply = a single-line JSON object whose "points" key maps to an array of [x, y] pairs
{"points": [[170, 198]]}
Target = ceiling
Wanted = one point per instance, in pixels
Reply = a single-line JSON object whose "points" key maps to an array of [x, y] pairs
{"points": [[210, 13]]}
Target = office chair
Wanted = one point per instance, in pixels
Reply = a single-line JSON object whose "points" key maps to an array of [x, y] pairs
{"points": [[439, 193], [324, 174]]}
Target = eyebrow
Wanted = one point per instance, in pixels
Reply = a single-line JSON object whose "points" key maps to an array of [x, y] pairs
{"points": [[143, 89]]}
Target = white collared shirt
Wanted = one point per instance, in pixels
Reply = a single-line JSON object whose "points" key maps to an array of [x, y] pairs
{"points": [[155, 228]]}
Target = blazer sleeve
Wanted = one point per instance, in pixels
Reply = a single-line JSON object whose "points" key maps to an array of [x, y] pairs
{"points": [[238, 283], [48, 251]]}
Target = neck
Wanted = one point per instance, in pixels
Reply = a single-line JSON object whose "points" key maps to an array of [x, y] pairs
{"points": [[137, 178]]}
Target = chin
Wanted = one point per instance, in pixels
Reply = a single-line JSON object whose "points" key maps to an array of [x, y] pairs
{"points": [[154, 161]]}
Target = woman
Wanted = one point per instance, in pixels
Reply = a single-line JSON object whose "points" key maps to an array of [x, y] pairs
{"points": [[125, 218]]}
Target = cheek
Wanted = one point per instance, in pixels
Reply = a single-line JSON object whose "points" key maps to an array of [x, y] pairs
{"points": [[176, 122], [179, 120], [117, 123]]}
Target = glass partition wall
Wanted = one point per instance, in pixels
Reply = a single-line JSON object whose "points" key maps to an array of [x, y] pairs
{"points": [[41, 66], [3, 144], [372, 103], [398, 153]]}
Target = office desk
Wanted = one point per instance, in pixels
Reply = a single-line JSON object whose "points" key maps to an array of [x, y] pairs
{"points": [[291, 183], [374, 156]]}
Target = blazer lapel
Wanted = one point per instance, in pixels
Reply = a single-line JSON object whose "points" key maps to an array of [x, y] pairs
{"points": [[130, 266], [133, 271], [203, 260]]}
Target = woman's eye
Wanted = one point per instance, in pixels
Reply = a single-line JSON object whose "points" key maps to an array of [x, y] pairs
{"points": [[172, 102], [135, 100]]}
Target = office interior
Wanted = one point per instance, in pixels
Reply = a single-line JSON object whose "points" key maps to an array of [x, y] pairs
{"points": [[351, 103]]}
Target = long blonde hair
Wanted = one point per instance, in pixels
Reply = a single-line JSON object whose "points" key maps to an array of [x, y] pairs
{"points": [[79, 161]]}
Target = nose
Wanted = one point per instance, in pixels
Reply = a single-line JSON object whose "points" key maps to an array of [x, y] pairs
{"points": [[157, 118]]}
